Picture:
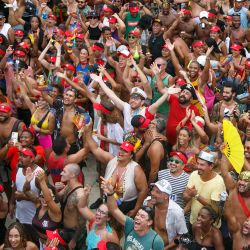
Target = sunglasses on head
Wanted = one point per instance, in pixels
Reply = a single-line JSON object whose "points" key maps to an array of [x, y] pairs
{"points": [[175, 161]]}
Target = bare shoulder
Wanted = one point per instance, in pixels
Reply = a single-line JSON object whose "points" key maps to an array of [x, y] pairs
{"points": [[31, 246]]}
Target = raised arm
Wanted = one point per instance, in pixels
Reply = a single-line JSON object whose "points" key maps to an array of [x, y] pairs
{"points": [[205, 71], [117, 101], [43, 54]]}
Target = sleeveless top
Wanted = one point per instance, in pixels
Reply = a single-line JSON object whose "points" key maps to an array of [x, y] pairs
{"points": [[45, 124], [130, 190], [131, 22], [45, 223], [5, 29], [94, 33], [93, 239], [85, 72], [200, 247], [25, 210]]}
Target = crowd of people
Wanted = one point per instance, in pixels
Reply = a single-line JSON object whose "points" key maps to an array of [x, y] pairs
{"points": [[148, 89]]}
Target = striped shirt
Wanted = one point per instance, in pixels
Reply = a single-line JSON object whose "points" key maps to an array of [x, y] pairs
{"points": [[178, 184]]}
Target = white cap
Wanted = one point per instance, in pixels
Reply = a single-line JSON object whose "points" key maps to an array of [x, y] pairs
{"points": [[121, 48], [203, 14], [206, 156], [138, 91], [164, 186], [201, 60]]}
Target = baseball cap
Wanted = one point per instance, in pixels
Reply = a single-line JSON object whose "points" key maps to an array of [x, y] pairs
{"points": [[19, 53], [5, 108], [24, 45], [203, 14], [112, 20], [135, 32], [157, 20], [128, 147], [52, 17], [134, 9], [69, 66], [139, 121], [215, 28], [138, 91], [197, 44], [186, 11], [98, 46], [164, 186], [182, 156], [19, 33], [236, 47], [27, 152], [206, 156]]}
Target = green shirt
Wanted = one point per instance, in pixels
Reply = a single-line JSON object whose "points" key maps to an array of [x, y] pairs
{"points": [[151, 240], [131, 22], [164, 108]]}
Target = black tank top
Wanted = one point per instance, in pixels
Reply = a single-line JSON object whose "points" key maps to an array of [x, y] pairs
{"points": [[94, 33], [200, 247], [45, 223]]}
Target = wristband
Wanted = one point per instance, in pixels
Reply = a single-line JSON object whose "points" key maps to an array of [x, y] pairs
{"points": [[111, 194]]}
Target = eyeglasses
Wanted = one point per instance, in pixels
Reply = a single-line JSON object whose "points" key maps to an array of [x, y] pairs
{"points": [[99, 211], [137, 80], [176, 161], [133, 37]]}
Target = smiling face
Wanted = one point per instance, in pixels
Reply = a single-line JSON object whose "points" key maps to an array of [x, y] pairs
{"points": [[203, 167], [227, 94], [101, 216], [14, 238], [135, 102], [157, 196], [185, 96], [204, 218], [26, 139], [183, 137], [246, 227], [123, 155], [175, 165], [193, 70], [243, 185], [247, 150], [142, 221], [69, 98]]}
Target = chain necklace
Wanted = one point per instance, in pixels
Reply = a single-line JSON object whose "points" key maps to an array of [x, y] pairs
{"points": [[202, 237]]}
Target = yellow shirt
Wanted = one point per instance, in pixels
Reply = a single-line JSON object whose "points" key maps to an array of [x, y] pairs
{"points": [[210, 190]]}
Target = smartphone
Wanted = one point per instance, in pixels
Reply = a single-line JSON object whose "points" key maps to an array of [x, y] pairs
{"points": [[14, 137]]}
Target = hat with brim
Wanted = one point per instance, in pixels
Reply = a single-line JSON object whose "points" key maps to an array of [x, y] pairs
{"points": [[107, 9], [186, 11], [24, 45], [5, 108], [124, 53], [112, 20], [164, 186], [206, 156], [27, 152], [19, 33], [236, 47], [52, 17], [19, 53], [139, 121], [126, 146], [157, 20], [191, 89], [135, 33], [139, 92], [180, 155], [134, 9], [96, 47], [52, 59], [80, 36], [197, 44], [180, 82], [215, 28], [69, 66]]}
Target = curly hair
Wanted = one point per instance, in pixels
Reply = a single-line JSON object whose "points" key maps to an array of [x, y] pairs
{"points": [[19, 227]]}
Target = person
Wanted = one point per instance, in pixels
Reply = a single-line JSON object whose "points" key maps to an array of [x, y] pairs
{"points": [[176, 176], [6, 29], [204, 186], [205, 234], [3, 214], [48, 214], [16, 238], [174, 223], [138, 232], [73, 202], [126, 176]]}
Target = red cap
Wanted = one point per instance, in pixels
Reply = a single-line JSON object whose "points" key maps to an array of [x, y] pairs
{"points": [[180, 155], [144, 122], [1, 188], [19, 53], [180, 82], [69, 66], [165, 46], [107, 9], [19, 33], [134, 9], [112, 20], [211, 15], [186, 12], [247, 63], [228, 18], [102, 245], [135, 32], [124, 53], [128, 147], [80, 36], [55, 234], [99, 106], [4, 107], [96, 47], [52, 17], [27, 152], [215, 28], [197, 44], [24, 45], [236, 47], [52, 59], [59, 31], [112, 74]]}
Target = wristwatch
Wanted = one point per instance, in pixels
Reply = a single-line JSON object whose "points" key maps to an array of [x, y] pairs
{"points": [[196, 196]]}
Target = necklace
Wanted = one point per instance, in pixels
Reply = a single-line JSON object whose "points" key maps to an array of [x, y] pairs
{"points": [[202, 237]]}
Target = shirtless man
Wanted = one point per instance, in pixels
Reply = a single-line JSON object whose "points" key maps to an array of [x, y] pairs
{"points": [[167, 15], [237, 33], [16, 10], [172, 222], [73, 206]]}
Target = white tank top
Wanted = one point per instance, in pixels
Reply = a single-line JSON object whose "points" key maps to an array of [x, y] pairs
{"points": [[5, 29], [130, 190], [25, 210]]}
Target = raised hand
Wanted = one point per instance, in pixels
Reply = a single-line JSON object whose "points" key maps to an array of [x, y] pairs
{"points": [[95, 77], [29, 174], [106, 186], [173, 90], [40, 175], [169, 44]]}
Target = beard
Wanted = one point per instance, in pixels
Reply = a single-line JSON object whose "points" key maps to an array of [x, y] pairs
{"points": [[183, 100], [227, 99]]}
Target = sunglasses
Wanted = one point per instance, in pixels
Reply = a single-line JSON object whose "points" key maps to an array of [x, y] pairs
{"points": [[92, 17], [133, 37], [176, 161], [137, 80]]}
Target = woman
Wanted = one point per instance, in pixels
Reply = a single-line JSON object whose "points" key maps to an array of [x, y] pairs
{"points": [[42, 121], [215, 33], [204, 233], [48, 213], [185, 144], [101, 229], [16, 239]]}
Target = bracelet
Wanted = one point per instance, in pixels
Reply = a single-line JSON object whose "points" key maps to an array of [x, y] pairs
{"points": [[111, 194]]}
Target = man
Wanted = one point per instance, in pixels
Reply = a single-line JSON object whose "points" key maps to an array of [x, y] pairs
{"points": [[176, 176], [5, 29], [247, 154], [59, 158], [25, 207], [135, 105], [172, 223], [167, 14], [73, 198], [138, 232], [242, 11], [226, 107], [204, 186]]}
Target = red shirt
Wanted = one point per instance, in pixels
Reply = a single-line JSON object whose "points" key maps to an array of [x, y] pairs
{"points": [[176, 114], [13, 157]]}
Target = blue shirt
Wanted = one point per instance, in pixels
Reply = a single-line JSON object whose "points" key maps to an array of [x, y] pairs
{"points": [[243, 16]]}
